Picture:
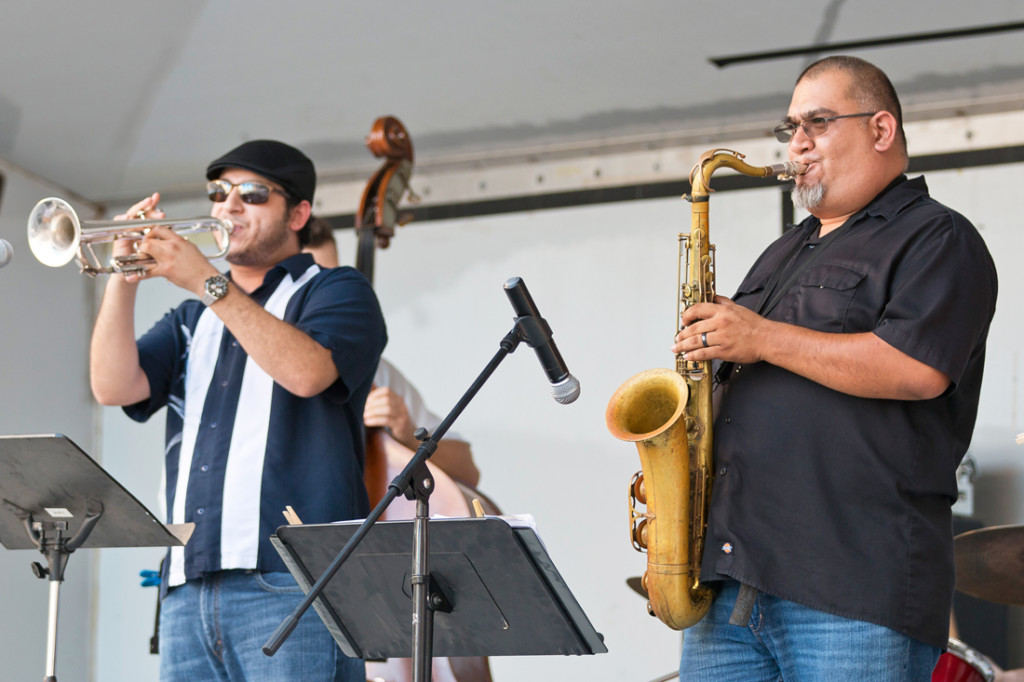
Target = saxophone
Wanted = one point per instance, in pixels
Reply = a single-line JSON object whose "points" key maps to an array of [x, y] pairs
{"points": [[668, 414]]}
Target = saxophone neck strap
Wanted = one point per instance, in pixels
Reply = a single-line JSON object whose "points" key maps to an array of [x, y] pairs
{"points": [[792, 266], [744, 606]]}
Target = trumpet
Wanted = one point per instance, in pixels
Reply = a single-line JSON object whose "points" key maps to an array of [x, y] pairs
{"points": [[56, 236]]}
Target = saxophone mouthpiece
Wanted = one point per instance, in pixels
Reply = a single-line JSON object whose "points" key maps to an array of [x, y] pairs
{"points": [[787, 171]]}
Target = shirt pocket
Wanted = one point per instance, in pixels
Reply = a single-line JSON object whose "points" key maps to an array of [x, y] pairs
{"points": [[822, 296]]}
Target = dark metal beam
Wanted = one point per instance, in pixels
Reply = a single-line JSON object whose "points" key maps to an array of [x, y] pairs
{"points": [[833, 48], [974, 158]]}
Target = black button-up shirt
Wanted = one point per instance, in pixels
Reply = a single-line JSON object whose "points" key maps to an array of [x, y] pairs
{"points": [[843, 503]]}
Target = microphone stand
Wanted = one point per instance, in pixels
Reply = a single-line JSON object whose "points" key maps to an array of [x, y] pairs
{"points": [[415, 482]]}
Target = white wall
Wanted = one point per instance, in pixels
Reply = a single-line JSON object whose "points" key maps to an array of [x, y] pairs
{"points": [[986, 196], [605, 277], [44, 315]]}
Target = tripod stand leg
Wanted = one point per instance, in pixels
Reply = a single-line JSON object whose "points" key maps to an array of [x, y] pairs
{"points": [[51, 633]]}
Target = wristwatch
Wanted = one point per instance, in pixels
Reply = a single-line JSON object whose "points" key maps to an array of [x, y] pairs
{"points": [[214, 289]]}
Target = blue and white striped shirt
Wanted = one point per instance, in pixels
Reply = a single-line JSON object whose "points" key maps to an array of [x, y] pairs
{"points": [[240, 448]]}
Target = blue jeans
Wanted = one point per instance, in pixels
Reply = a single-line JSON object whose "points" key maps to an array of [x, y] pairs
{"points": [[795, 643], [214, 628]]}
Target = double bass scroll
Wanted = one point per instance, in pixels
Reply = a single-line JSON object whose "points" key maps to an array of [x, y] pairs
{"points": [[375, 221], [378, 214]]}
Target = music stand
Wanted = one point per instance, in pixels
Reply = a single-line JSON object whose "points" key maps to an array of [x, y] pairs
{"points": [[55, 498], [416, 482], [498, 592]]}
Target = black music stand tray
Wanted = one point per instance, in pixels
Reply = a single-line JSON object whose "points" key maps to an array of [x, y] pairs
{"points": [[506, 596], [55, 498]]}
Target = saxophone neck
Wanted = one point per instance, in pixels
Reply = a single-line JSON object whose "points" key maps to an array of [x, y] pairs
{"points": [[713, 159]]}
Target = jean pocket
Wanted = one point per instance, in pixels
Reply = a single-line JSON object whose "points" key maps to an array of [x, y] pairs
{"points": [[278, 582]]}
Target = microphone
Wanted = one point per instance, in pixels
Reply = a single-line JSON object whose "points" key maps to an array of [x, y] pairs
{"points": [[564, 387], [6, 252]]}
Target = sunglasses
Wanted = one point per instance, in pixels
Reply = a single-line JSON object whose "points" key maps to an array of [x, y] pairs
{"points": [[250, 192]]}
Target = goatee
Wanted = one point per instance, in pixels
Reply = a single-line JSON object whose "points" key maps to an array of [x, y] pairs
{"points": [[808, 197]]}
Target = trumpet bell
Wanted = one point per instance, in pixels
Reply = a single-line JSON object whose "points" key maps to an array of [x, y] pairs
{"points": [[56, 236], [54, 232]]}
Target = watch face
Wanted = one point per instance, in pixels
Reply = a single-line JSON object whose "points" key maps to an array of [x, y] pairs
{"points": [[217, 286]]}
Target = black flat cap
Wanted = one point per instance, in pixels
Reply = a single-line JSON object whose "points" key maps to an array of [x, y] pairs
{"points": [[275, 161]]}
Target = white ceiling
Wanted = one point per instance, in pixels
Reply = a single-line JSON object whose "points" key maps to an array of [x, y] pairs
{"points": [[112, 99]]}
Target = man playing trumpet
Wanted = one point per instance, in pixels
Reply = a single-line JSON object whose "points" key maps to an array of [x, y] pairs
{"points": [[265, 378]]}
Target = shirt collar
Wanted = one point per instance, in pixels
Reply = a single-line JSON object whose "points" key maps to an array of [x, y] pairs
{"points": [[899, 194], [292, 265], [896, 196]]}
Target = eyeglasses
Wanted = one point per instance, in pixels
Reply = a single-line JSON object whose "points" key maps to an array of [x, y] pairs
{"points": [[250, 192], [812, 126]]}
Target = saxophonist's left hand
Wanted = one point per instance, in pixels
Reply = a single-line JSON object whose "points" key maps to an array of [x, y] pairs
{"points": [[722, 330]]}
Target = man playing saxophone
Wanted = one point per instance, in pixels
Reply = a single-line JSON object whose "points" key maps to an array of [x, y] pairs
{"points": [[852, 361]]}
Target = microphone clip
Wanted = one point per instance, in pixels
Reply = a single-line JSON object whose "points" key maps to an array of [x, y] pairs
{"points": [[533, 330]]}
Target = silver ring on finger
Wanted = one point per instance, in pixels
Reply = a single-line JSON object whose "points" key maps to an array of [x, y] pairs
{"points": [[704, 339]]}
